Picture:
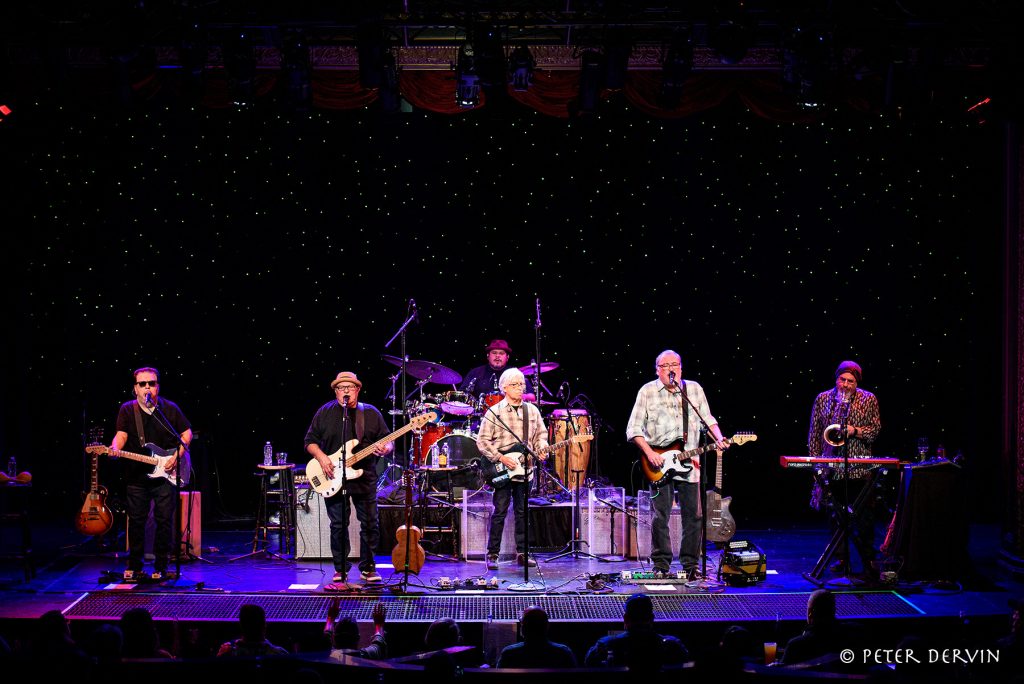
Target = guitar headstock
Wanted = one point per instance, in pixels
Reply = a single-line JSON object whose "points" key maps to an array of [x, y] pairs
{"points": [[97, 449], [428, 416], [583, 437], [743, 437], [95, 435]]}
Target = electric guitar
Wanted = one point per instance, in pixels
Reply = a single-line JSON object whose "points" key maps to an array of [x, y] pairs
{"points": [[95, 518], [157, 458], [721, 525], [498, 475], [328, 487], [679, 462]]}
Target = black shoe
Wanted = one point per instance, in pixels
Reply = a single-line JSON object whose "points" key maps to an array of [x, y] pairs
{"points": [[522, 560], [693, 574], [492, 562]]}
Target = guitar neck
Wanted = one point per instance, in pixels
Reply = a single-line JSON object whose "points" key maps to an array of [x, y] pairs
{"points": [[557, 445], [151, 460], [366, 451], [94, 480]]}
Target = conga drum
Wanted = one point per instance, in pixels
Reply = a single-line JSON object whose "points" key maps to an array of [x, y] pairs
{"points": [[562, 425]]}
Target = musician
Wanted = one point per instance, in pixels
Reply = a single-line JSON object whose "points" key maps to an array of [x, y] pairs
{"points": [[859, 408], [499, 429], [324, 437], [483, 379], [138, 424], [660, 417]]}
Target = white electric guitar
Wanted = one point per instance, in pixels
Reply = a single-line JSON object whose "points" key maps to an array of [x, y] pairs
{"points": [[328, 487], [157, 458]]}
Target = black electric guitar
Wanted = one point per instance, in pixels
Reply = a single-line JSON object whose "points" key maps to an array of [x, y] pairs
{"points": [[721, 525], [498, 475], [157, 458]]}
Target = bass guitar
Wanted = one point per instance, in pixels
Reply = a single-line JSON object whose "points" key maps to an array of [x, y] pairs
{"points": [[157, 458], [328, 487], [95, 518], [498, 475], [680, 462]]}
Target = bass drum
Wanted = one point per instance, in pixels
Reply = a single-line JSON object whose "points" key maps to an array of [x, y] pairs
{"points": [[575, 458], [463, 454]]}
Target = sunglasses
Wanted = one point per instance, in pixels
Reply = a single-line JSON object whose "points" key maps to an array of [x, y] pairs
{"points": [[147, 383]]}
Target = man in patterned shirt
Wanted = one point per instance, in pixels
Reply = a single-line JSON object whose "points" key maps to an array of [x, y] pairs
{"points": [[660, 417], [501, 428], [859, 409]]}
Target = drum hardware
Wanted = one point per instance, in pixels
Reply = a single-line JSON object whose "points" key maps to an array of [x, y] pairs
{"points": [[544, 368], [426, 370]]}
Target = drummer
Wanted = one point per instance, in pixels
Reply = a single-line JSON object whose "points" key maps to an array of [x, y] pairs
{"points": [[484, 379]]}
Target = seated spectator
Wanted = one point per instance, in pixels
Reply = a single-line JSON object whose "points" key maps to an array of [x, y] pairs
{"points": [[536, 650], [640, 647], [52, 642], [824, 634], [106, 644], [252, 622], [344, 634], [141, 639], [442, 633]]}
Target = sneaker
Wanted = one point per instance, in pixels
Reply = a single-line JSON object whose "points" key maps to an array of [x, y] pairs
{"points": [[340, 576], [371, 576], [660, 573], [492, 562], [693, 574], [522, 560]]}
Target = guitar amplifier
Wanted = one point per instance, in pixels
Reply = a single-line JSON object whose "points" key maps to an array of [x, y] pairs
{"points": [[743, 564], [313, 527]]}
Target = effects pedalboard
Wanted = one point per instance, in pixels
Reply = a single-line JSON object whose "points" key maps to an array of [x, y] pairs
{"points": [[651, 577], [453, 583]]}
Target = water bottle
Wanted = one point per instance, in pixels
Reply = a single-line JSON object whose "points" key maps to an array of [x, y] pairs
{"points": [[434, 456], [442, 459], [12, 466], [268, 454]]}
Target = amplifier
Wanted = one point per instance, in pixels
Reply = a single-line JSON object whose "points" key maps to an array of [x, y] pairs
{"points": [[313, 527], [743, 564]]}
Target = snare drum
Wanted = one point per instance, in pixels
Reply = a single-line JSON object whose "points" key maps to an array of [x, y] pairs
{"points": [[457, 403], [575, 456]]}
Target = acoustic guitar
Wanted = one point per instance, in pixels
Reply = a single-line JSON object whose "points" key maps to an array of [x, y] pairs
{"points": [[95, 518], [407, 537]]}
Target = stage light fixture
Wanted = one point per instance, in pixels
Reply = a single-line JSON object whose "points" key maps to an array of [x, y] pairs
{"points": [[240, 64], [467, 81], [592, 74], [520, 68]]}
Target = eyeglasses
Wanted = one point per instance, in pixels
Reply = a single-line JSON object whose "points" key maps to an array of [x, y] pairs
{"points": [[669, 365], [516, 384], [345, 388], [147, 383]]}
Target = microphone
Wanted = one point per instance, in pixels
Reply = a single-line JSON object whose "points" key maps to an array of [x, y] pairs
{"points": [[469, 387], [671, 377], [149, 398], [563, 390]]}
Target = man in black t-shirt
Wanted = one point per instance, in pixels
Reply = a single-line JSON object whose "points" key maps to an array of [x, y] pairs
{"points": [[141, 422], [323, 439]]}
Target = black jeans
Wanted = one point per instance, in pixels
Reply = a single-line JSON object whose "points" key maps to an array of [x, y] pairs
{"points": [[686, 493], [514, 492], [369, 529], [137, 498]]}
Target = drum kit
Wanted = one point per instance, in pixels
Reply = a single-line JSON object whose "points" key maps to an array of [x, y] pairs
{"points": [[455, 436]]}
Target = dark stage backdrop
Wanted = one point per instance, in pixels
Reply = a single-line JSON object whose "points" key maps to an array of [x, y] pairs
{"points": [[252, 256]]}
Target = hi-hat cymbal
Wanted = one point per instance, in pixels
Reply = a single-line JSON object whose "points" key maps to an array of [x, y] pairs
{"points": [[426, 370], [544, 368]]}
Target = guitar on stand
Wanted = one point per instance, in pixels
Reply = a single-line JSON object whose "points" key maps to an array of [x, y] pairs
{"points": [[95, 519], [721, 526], [408, 556]]}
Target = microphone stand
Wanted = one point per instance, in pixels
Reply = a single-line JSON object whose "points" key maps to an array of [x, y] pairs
{"points": [[701, 481], [165, 423]]}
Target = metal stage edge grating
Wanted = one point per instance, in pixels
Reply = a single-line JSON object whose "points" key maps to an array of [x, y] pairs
{"points": [[110, 605]]}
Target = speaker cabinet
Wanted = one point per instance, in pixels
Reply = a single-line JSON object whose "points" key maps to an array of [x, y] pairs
{"points": [[194, 528], [313, 527]]}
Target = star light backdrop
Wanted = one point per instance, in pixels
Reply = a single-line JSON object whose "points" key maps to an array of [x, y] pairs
{"points": [[251, 256]]}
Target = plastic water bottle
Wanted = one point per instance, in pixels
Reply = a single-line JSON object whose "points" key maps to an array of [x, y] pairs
{"points": [[268, 454], [12, 466], [435, 456]]}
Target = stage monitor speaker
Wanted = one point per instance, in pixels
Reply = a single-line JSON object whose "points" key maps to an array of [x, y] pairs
{"points": [[604, 521], [743, 564], [313, 527], [476, 526]]}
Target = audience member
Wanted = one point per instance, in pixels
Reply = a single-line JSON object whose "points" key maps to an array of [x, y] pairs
{"points": [[252, 622], [823, 635], [536, 650], [640, 647], [141, 639], [52, 642], [344, 634]]}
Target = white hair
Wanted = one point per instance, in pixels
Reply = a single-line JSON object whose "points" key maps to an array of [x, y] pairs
{"points": [[511, 375], [667, 352]]}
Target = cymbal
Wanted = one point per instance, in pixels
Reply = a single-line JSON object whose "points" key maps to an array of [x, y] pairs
{"points": [[532, 398], [426, 370], [544, 368]]}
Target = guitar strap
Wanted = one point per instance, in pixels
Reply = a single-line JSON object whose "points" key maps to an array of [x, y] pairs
{"points": [[686, 413], [138, 425], [360, 420]]}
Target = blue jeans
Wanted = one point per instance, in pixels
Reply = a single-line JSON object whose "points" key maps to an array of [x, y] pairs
{"points": [[369, 529], [686, 494]]}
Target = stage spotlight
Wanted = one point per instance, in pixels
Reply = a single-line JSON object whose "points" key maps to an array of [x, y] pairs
{"points": [[467, 81], [520, 68], [675, 69]]}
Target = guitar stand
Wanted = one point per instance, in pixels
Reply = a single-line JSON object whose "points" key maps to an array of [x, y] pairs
{"points": [[840, 537], [572, 548]]}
